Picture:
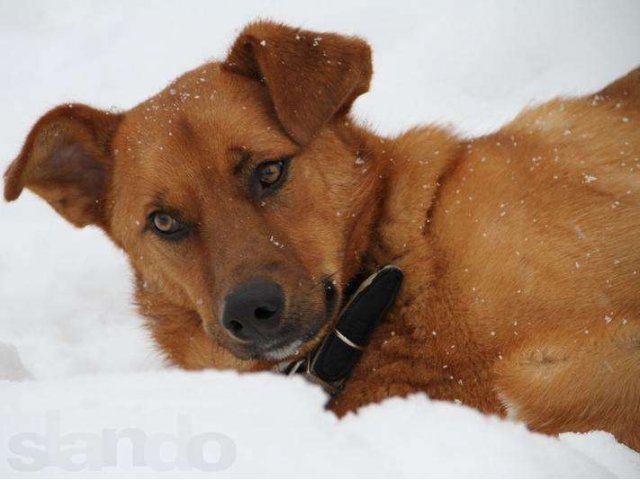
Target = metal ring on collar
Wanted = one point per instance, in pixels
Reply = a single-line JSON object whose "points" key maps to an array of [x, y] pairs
{"points": [[347, 341]]}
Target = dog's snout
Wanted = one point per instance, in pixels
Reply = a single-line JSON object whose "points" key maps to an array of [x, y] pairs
{"points": [[252, 310]]}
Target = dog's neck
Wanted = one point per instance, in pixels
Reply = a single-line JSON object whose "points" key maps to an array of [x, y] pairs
{"points": [[411, 170]]}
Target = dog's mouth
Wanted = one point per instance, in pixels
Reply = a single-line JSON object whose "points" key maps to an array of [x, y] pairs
{"points": [[295, 345], [326, 349], [291, 350], [288, 347], [292, 347], [300, 332]]}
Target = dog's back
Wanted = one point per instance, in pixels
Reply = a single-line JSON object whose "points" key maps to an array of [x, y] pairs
{"points": [[579, 365]]}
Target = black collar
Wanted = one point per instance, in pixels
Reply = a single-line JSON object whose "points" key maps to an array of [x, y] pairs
{"points": [[332, 362]]}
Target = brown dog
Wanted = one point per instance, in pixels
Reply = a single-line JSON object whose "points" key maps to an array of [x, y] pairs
{"points": [[244, 195]]}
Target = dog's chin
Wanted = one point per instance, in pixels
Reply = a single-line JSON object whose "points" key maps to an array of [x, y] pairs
{"points": [[287, 350]]}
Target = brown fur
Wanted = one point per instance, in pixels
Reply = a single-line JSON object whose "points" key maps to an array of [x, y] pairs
{"points": [[520, 248]]}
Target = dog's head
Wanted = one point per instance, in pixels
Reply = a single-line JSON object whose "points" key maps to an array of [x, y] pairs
{"points": [[237, 192]]}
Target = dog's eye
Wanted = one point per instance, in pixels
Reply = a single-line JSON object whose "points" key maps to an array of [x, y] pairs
{"points": [[165, 225], [270, 173], [268, 176]]}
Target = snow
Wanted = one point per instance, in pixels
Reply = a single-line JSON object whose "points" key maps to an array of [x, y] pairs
{"points": [[74, 357], [275, 426]]}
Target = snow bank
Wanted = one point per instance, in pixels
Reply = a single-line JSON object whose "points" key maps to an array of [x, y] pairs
{"points": [[74, 358], [268, 425]]}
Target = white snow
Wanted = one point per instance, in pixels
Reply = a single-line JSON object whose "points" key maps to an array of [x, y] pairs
{"points": [[263, 425], [74, 358]]}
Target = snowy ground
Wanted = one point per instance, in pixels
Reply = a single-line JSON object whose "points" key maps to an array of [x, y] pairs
{"points": [[76, 369]]}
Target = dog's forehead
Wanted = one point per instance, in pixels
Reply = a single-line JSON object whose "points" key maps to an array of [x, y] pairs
{"points": [[199, 118]]}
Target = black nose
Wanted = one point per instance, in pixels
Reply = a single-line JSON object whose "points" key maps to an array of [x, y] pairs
{"points": [[252, 310]]}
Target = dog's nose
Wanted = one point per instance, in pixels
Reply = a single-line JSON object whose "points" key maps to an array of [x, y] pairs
{"points": [[252, 310]]}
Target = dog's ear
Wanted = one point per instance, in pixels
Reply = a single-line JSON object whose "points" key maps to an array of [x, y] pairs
{"points": [[311, 76], [66, 159]]}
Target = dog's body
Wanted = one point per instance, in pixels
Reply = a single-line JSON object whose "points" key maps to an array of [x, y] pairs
{"points": [[522, 268], [520, 248]]}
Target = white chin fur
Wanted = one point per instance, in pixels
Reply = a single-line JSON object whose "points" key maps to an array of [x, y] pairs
{"points": [[283, 352]]}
